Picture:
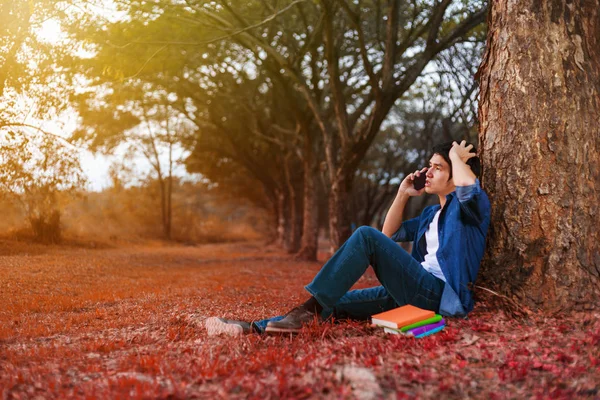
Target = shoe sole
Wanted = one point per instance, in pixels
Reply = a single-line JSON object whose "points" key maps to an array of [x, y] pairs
{"points": [[214, 326]]}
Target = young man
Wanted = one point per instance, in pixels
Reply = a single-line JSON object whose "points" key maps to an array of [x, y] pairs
{"points": [[448, 244]]}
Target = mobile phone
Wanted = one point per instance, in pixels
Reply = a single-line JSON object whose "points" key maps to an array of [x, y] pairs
{"points": [[419, 181]]}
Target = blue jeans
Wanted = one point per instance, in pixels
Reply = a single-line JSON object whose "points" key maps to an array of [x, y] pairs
{"points": [[403, 279]]}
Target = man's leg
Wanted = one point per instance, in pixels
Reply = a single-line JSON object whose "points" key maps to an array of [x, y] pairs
{"points": [[356, 304], [400, 274], [360, 304], [261, 325], [403, 277]]}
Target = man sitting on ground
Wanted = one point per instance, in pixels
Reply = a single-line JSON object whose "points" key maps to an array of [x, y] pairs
{"points": [[448, 244]]}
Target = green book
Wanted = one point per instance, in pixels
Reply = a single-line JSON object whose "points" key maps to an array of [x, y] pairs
{"points": [[428, 321]]}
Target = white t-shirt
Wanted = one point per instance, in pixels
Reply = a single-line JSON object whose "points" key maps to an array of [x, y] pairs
{"points": [[431, 263]]}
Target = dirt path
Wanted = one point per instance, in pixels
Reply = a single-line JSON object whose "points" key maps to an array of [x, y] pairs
{"points": [[106, 323]]}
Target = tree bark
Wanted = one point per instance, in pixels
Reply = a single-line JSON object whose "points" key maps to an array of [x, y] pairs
{"points": [[281, 218], [294, 234], [339, 215], [298, 220], [539, 112], [163, 204], [272, 237], [310, 230], [169, 220]]}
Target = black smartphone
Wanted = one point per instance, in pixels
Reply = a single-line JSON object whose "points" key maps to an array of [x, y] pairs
{"points": [[419, 181]]}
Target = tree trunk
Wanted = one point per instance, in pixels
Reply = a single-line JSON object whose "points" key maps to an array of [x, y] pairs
{"points": [[272, 237], [294, 232], [297, 221], [169, 206], [539, 114], [339, 217], [310, 230], [163, 205], [281, 219], [169, 220]]}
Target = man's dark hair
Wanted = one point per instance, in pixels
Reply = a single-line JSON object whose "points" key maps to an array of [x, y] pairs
{"points": [[443, 149]]}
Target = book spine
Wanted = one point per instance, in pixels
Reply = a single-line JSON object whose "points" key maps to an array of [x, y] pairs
{"points": [[393, 331], [435, 319], [384, 323], [426, 328], [431, 332]]}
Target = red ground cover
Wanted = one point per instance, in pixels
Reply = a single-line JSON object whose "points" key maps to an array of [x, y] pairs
{"points": [[127, 322]]}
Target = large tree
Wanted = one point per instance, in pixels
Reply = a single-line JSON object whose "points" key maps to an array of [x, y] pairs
{"points": [[540, 144]]}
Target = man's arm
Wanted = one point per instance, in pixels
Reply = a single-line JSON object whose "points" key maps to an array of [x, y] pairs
{"points": [[393, 219], [461, 172], [474, 204]]}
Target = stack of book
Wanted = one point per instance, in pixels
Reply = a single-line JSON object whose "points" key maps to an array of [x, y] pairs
{"points": [[409, 320]]}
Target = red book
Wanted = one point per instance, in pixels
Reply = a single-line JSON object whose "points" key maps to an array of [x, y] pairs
{"points": [[401, 316]]}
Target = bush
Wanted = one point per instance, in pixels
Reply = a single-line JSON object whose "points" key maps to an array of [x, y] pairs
{"points": [[46, 228]]}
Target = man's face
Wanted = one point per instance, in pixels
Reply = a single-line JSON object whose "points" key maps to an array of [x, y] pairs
{"points": [[437, 177]]}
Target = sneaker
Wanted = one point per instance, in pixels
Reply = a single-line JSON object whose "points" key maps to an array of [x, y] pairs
{"points": [[293, 321], [216, 326]]}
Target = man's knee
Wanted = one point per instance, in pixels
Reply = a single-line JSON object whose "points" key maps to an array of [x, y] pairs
{"points": [[366, 230]]}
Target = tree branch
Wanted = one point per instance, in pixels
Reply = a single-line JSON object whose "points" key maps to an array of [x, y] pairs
{"points": [[463, 28], [333, 68], [6, 124], [355, 19], [390, 45], [205, 42]]}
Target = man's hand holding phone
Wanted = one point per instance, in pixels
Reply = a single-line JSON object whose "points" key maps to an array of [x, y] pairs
{"points": [[414, 184]]}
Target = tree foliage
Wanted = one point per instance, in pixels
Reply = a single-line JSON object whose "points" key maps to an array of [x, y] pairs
{"points": [[33, 84], [268, 84], [35, 170]]}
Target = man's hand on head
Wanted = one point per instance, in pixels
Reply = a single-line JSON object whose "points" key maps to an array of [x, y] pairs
{"points": [[461, 171], [461, 152]]}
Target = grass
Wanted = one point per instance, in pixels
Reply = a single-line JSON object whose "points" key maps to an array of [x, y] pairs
{"points": [[127, 322]]}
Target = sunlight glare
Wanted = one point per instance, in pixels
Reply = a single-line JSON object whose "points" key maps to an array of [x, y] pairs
{"points": [[51, 32]]}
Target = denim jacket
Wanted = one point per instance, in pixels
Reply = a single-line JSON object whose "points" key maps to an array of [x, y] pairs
{"points": [[462, 227]]}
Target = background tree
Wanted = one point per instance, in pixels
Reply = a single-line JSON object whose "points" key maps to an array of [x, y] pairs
{"points": [[37, 166], [142, 120], [540, 143], [35, 170], [244, 124]]}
